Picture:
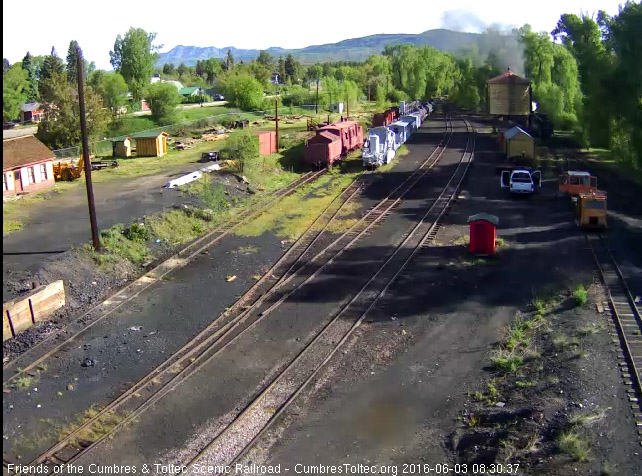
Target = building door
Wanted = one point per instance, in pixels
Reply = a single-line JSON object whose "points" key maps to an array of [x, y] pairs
{"points": [[17, 183]]}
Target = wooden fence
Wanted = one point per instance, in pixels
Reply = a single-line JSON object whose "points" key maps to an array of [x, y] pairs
{"points": [[20, 314]]}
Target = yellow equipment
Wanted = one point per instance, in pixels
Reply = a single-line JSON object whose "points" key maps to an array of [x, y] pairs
{"points": [[68, 170], [591, 210]]}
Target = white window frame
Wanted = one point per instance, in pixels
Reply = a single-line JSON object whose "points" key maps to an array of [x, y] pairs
{"points": [[31, 174], [43, 172]]}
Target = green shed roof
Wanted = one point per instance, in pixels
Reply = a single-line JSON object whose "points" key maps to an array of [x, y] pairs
{"points": [[188, 91], [148, 135]]}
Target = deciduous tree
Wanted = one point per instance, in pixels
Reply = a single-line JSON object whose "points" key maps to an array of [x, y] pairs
{"points": [[134, 56], [14, 86], [163, 99]]}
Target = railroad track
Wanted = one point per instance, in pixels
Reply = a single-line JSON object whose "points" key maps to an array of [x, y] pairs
{"points": [[30, 360], [627, 320], [236, 438], [250, 309]]}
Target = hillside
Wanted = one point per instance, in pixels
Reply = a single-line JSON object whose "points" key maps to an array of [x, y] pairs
{"points": [[355, 49]]}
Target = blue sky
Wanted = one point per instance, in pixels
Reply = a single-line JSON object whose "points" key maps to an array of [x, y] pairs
{"points": [[40, 24]]}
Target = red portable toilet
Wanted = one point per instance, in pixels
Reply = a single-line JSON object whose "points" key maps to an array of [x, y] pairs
{"points": [[483, 228]]}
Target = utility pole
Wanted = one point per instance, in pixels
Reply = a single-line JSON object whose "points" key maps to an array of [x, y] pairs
{"points": [[276, 106], [85, 155], [347, 107], [316, 104]]}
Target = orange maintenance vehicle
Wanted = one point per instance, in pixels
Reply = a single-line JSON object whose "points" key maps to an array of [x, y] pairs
{"points": [[574, 182], [591, 210]]}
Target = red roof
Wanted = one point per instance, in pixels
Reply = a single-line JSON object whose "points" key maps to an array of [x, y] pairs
{"points": [[23, 151], [339, 125], [324, 135], [508, 78]]}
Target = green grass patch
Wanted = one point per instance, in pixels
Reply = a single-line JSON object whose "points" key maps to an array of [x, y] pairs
{"points": [[212, 195], [9, 226], [580, 295], [102, 426], [117, 246], [401, 151], [292, 215], [507, 361], [24, 382], [572, 444], [462, 241], [176, 227], [563, 341]]}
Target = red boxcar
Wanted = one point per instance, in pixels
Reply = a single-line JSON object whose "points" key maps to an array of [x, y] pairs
{"points": [[383, 119], [350, 132], [322, 149], [333, 141]]}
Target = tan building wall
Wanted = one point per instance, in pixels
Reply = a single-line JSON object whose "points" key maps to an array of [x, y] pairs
{"points": [[518, 144], [509, 99]]}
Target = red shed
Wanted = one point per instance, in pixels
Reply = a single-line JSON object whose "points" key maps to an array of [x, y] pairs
{"points": [[267, 142], [483, 233], [322, 149]]}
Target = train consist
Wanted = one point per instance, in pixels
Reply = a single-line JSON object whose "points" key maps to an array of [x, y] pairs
{"points": [[383, 140], [390, 130]]}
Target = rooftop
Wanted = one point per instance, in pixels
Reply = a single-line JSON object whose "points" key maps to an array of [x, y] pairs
{"points": [[30, 106], [508, 78], [23, 151]]}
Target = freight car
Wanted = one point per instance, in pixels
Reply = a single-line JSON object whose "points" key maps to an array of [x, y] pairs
{"points": [[384, 118], [332, 142]]}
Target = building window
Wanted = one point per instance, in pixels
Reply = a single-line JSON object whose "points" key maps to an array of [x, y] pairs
{"points": [[43, 172], [4, 183], [32, 175]]}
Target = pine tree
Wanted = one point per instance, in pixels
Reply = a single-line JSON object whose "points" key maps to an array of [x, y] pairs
{"points": [[31, 91], [229, 61], [72, 62]]}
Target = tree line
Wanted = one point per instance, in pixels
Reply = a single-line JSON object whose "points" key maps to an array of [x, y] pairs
{"points": [[586, 76]]}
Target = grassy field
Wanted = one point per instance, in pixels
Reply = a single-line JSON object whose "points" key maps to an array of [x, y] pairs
{"points": [[605, 158], [133, 124], [268, 172]]}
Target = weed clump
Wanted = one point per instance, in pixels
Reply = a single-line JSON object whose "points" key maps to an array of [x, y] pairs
{"points": [[507, 362], [580, 295], [572, 444]]}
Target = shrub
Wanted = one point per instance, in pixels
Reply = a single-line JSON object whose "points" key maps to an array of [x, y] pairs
{"points": [[163, 99], [580, 295], [241, 147], [137, 232], [242, 90]]}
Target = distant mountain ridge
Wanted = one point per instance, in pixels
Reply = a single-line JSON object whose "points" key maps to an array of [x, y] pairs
{"points": [[354, 49]]}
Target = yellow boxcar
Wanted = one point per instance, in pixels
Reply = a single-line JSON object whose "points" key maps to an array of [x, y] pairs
{"points": [[591, 210]]}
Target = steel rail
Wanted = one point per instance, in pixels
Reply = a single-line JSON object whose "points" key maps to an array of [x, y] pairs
{"points": [[121, 297], [623, 308], [173, 365], [440, 204]]}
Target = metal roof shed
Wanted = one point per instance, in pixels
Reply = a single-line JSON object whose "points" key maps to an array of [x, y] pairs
{"points": [[151, 144], [518, 142]]}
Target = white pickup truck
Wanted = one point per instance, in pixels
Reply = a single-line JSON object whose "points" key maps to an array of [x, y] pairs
{"points": [[521, 181]]}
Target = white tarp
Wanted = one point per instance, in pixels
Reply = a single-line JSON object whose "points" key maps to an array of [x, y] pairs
{"points": [[184, 179]]}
